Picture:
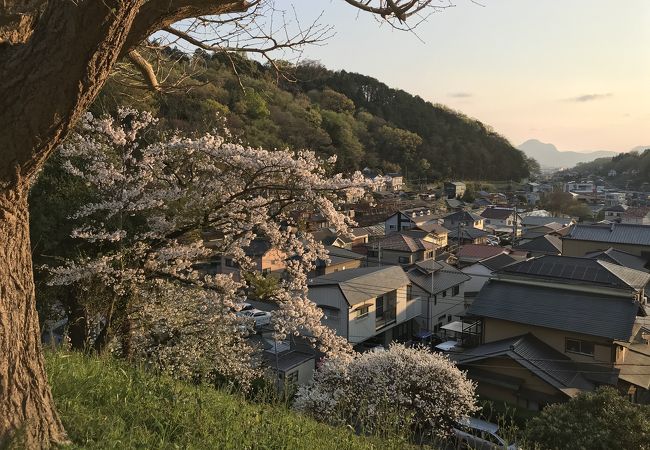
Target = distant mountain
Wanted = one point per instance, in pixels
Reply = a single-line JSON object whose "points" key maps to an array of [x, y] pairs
{"points": [[547, 155]]}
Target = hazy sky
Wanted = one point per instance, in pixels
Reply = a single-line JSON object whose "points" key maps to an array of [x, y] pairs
{"points": [[573, 73]]}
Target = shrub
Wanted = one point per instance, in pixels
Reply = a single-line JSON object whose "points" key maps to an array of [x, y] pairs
{"points": [[597, 420], [403, 387]]}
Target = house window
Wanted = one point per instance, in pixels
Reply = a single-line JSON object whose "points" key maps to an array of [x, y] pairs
{"points": [[444, 293], [404, 259], [578, 346], [449, 318], [391, 227], [230, 263], [373, 253], [361, 312], [455, 290], [379, 306], [441, 318], [435, 300], [409, 293], [266, 271], [487, 221]]}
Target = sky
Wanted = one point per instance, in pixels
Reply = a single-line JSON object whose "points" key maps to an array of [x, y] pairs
{"points": [[572, 73]]}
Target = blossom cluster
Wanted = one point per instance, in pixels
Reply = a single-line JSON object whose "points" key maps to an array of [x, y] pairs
{"points": [[414, 386]]}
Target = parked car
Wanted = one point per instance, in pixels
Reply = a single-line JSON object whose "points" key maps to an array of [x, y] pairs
{"points": [[493, 240], [260, 317], [477, 434]]}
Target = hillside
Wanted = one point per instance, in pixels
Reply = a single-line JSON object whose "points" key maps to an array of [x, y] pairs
{"points": [[548, 156], [629, 170], [106, 404], [358, 118]]}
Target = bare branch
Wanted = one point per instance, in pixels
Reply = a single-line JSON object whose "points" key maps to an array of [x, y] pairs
{"points": [[145, 69]]}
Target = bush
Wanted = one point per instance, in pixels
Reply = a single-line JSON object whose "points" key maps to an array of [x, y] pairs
{"points": [[597, 420], [401, 388]]}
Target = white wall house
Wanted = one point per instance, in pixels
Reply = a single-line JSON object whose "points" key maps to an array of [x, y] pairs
{"points": [[441, 289], [366, 303]]}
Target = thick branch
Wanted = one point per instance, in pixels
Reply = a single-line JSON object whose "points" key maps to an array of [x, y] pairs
{"points": [[145, 68]]}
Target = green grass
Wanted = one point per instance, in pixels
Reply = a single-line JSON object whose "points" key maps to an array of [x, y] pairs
{"points": [[106, 404]]}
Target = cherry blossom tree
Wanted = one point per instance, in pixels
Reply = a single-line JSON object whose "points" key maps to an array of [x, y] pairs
{"points": [[407, 387], [165, 203]]}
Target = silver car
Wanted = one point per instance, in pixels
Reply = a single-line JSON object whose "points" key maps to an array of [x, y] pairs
{"points": [[477, 434]]}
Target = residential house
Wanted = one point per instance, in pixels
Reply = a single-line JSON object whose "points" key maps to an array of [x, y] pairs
{"points": [[482, 270], [407, 219], [440, 288], [629, 238], [501, 220], [637, 216], [547, 244], [531, 220], [454, 189], [541, 230], [615, 198], [370, 303], [292, 363], [615, 213], [338, 259], [403, 248], [471, 253], [468, 235], [329, 236], [463, 219], [555, 326], [621, 258], [266, 259], [437, 233], [394, 181], [454, 204]]}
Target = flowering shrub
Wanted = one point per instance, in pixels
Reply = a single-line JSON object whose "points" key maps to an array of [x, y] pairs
{"points": [[412, 386], [156, 200]]}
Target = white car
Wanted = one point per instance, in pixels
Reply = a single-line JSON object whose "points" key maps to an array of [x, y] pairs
{"points": [[477, 434], [260, 317], [493, 240]]}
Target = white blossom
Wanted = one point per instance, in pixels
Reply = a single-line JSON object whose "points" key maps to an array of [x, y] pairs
{"points": [[154, 201]]}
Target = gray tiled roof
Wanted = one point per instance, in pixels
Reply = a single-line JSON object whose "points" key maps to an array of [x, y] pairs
{"points": [[543, 244], [579, 270], [619, 257], [470, 233], [616, 233], [544, 361], [440, 280], [497, 213], [560, 309], [498, 262], [338, 255], [358, 285]]}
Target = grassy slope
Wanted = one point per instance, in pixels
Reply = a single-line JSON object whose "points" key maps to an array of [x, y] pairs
{"points": [[105, 404]]}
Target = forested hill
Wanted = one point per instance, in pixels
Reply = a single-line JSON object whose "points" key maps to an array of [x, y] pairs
{"points": [[358, 118]]}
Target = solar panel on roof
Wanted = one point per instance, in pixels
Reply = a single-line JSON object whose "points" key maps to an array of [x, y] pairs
{"points": [[568, 271], [580, 272], [556, 270]]}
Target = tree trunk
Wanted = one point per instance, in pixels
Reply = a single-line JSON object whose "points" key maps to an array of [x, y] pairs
{"points": [[28, 417], [55, 56]]}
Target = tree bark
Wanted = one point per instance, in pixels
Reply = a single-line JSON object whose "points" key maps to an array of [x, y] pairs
{"points": [[27, 417]]}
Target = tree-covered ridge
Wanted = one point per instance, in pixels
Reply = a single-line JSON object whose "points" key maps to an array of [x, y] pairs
{"points": [[631, 169], [358, 118]]}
